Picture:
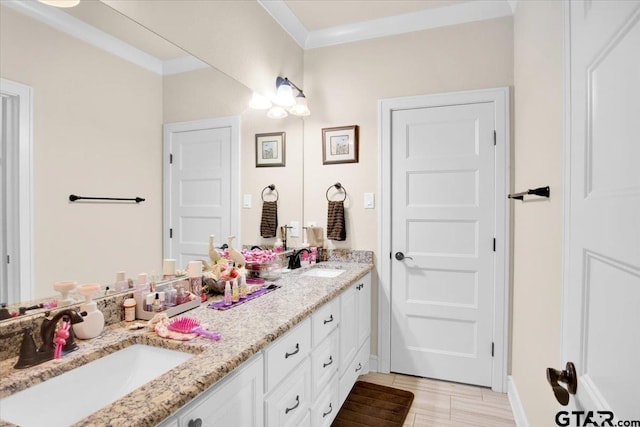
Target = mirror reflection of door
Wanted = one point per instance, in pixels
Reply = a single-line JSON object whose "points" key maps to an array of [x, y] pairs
{"points": [[15, 192]]}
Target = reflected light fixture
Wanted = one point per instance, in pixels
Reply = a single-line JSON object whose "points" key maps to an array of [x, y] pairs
{"points": [[61, 3], [284, 103]]}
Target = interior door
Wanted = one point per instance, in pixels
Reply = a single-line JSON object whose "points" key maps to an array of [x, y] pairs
{"points": [[443, 228], [602, 288], [200, 197]]}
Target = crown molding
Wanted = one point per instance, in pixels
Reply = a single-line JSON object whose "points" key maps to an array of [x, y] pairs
{"points": [[461, 13], [81, 30]]}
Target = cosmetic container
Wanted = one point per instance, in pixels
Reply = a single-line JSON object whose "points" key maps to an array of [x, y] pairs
{"points": [[194, 270], [157, 304], [235, 292], [121, 282], [129, 309], [243, 286], [227, 293], [148, 306], [168, 269]]}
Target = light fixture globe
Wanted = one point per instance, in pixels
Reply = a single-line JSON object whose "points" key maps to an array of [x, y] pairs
{"points": [[61, 3], [277, 112], [284, 93], [301, 108], [259, 102]]}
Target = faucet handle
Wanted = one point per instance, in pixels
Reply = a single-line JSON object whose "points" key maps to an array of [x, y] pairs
{"points": [[28, 351]]}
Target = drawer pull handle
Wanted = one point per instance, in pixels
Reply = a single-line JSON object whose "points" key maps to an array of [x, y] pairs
{"points": [[287, 410], [324, 365], [329, 320], [195, 423], [297, 350], [324, 414], [359, 367], [360, 286]]}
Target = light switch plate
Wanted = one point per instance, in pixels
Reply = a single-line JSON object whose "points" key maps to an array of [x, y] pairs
{"points": [[369, 201], [246, 201], [294, 231]]}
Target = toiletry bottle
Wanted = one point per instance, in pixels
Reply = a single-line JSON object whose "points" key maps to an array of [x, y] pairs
{"points": [[157, 304], [148, 304], [180, 296], [235, 292], [152, 283], [243, 286], [168, 269], [121, 282], [142, 285], [170, 300], [227, 293], [93, 321], [277, 247], [129, 309]]}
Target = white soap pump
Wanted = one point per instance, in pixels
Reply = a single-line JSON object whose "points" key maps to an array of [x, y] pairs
{"points": [[93, 322]]}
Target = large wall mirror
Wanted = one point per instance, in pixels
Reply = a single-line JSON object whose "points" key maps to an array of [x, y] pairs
{"points": [[98, 131]]}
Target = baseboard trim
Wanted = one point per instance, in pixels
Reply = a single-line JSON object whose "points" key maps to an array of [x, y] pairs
{"points": [[373, 363], [516, 404]]}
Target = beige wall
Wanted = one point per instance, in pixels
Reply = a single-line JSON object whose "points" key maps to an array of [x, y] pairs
{"points": [[97, 132], [537, 231], [344, 83]]}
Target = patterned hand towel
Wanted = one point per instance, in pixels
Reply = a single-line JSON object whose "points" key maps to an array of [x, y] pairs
{"points": [[336, 228], [269, 222]]}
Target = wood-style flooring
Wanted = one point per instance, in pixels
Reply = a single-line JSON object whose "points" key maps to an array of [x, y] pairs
{"points": [[440, 403]]}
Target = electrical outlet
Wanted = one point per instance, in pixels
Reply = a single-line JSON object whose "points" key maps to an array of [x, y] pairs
{"points": [[295, 229]]}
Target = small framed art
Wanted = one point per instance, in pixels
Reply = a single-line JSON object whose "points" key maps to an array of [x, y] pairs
{"points": [[340, 145], [270, 149]]}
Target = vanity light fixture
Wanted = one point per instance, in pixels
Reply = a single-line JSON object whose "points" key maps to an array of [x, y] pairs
{"points": [[61, 3], [284, 103]]}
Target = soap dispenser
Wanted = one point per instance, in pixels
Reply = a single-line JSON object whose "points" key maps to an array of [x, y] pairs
{"points": [[93, 318]]}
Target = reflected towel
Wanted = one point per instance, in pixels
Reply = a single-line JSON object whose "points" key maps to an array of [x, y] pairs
{"points": [[269, 222], [315, 237], [336, 228]]}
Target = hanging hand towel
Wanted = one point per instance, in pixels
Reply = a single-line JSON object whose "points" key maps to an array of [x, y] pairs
{"points": [[336, 228], [315, 237], [269, 223]]}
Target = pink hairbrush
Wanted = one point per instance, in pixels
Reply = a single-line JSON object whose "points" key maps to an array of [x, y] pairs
{"points": [[188, 325]]}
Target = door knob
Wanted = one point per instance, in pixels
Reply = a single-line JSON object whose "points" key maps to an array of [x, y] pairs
{"points": [[400, 256], [569, 377]]}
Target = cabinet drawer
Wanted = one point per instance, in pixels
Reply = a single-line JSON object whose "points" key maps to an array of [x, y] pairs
{"points": [[324, 362], [325, 320], [326, 405], [286, 353], [359, 366], [289, 403]]}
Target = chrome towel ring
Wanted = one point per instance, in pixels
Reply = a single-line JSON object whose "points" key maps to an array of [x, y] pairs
{"points": [[271, 188], [339, 187]]}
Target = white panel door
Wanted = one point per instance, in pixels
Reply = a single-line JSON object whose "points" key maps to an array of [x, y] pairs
{"points": [[200, 188], [602, 289], [443, 215]]}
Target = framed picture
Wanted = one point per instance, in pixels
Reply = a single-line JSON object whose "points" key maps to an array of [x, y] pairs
{"points": [[340, 145], [270, 149]]}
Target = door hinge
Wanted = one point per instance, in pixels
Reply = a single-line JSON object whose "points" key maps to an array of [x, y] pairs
{"points": [[492, 349], [8, 259], [389, 255], [170, 158], [495, 137], [171, 233], [494, 244]]}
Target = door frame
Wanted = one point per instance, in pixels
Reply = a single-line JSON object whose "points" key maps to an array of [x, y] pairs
{"points": [[20, 222], [232, 122], [501, 316]]}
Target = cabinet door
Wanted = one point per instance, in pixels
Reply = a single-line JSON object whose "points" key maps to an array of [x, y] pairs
{"points": [[236, 402], [289, 402], [363, 310], [327, 404], [324, 363], [348, 327]]}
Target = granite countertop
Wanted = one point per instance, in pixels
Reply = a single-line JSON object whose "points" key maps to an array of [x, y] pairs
{"points": [[245, 329]]}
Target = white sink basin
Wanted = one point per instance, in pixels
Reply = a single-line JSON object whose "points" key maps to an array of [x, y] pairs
{"points": [[76, 394], [323, 272]]}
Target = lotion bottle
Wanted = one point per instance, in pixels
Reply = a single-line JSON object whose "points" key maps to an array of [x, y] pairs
{"points": [[93, 321]]}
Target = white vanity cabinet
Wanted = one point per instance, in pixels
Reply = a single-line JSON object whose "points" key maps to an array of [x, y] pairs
{"points": [[355, 329], [300, 379]]}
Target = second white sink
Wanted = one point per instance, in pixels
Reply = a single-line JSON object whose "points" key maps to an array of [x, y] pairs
{"points": [[76, 394], [323, 272]]}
